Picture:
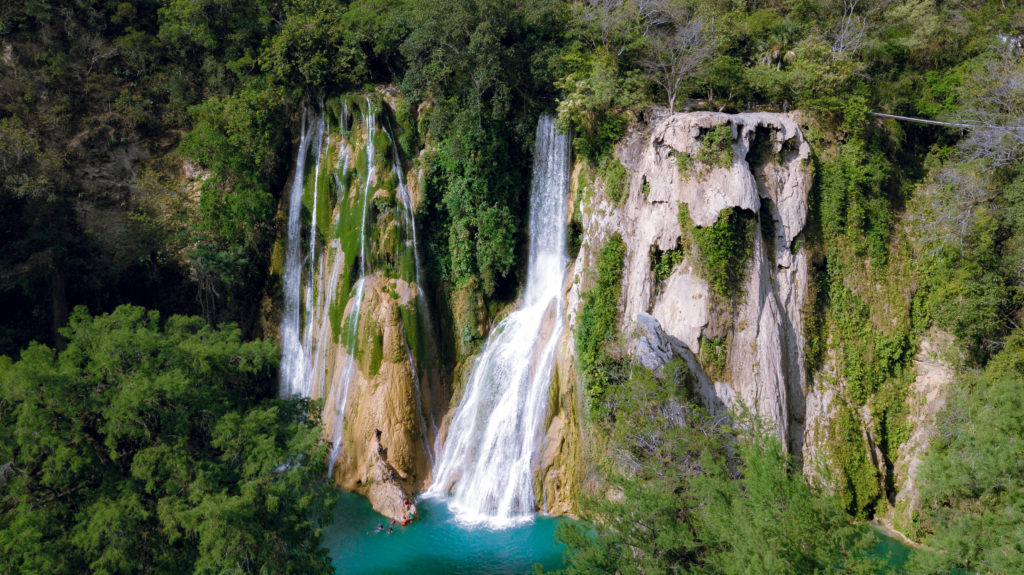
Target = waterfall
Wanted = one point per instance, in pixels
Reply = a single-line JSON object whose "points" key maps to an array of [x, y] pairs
{"points": [[348, 369], [294, 357], [496, 432], [325, 278], [328, 270], [409, 221]]}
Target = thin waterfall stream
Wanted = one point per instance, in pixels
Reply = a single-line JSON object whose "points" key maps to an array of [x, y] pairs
{"points": [[496, 432], [294, 356], [332, 267]]}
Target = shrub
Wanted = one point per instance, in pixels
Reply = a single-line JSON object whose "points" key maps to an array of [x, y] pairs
{"points": [[684, 163], [716, 147], [613, 174], [597, 322], [724, 248]]}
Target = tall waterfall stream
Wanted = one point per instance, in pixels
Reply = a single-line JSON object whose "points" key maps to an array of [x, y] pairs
{"points": [[483, 473], [496, 431]]}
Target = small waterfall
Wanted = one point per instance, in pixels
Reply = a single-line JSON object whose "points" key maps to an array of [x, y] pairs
{"points": [[324, 290], [348, 370], [294, 360], [329, 270], [496, 431], [408, 215], [309, 287]]}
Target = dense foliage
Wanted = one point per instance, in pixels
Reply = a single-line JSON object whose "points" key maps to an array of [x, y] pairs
{"points": [[694, 493], [144, 146], [597, 326], [974, 474], [723, 248], [147, 446]]}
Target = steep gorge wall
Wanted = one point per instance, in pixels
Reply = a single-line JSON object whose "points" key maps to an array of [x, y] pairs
{"points": [[764, 367], [761, 327], [368, 340]]}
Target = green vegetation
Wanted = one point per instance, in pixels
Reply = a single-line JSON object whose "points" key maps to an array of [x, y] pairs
{"points": [[716, 147], [696, 493], [723, 248], [713, 356], [144, 147], [611, 171], [684, 163], [663, 262], [973, 476], [596, 327], [153, 443]]}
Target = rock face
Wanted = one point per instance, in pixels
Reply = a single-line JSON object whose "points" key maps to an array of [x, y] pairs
{"points": [[382, 393], [764, 366], [926, 399], [769, 176], [367, 338], [559, 473]]}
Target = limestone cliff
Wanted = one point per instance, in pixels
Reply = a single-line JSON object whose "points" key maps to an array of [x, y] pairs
{"points": [[770, 177], [367, 343], [747, 348]]}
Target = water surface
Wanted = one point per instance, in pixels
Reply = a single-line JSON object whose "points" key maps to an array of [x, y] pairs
{"points": [[435, 543]]}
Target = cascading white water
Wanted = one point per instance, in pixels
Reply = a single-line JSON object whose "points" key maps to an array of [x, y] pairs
{"points": [[496, 431], [314, 364], [348, 368], [409, 221], [294, 358], [309, 287], [328, 270]]}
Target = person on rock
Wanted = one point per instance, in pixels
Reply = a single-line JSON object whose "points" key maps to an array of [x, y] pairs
{"points": [[380, 450], [377, 431]]}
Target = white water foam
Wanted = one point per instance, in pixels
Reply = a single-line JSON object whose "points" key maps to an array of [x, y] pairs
{"points": [[486, 463]]}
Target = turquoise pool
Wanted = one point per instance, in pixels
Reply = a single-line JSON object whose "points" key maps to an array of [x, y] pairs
{"points": [[435, 543]]}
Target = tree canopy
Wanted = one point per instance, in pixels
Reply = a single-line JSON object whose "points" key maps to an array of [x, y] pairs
{"points": [[148, 445]]}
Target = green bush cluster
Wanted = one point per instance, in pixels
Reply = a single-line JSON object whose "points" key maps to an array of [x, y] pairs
{"points": [[596, 327], [664, 262], [715, 147], [613, 174], [158, 442], [684, 163], [859, 486], [723, 248], [713, 356], [973, 475], [703, 493]]}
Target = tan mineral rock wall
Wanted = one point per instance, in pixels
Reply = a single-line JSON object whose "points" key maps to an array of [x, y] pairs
{"points": [[390, 380], [382, 397], [765, 363]]}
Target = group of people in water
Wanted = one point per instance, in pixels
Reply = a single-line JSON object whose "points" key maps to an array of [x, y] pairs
{"points": [[405, 520]]}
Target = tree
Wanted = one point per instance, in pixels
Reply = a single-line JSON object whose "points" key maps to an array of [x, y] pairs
{"points": [[150, 445], [691, 492], [769, 520], [677, 50], [995, 106], [972, 480]]}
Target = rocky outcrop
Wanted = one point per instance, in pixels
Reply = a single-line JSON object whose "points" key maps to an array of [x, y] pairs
{"points": [[769, 176], [926, 399], [368, 340], [382, 393], [559, 475]]}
